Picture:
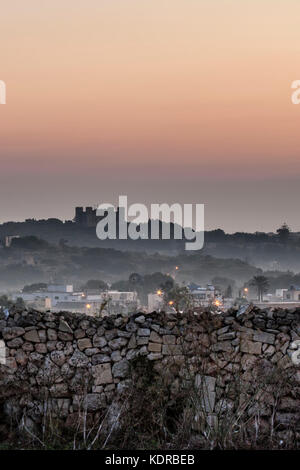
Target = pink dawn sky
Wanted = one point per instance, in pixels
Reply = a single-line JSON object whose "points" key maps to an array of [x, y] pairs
{"points": [[162, 100]]}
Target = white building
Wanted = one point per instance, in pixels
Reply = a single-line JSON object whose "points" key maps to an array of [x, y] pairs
{"points": [[50, 297], [155, 302], [60, 288], [292, 294], [104, 303], [203, 296], [120, 302], [62, 298], [279, 293]]}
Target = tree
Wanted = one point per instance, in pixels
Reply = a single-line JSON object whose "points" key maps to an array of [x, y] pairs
{"points": [[19, 303], [261, 284], [36, 287], [29, 243], [95, 284], [145, 285], [5, 302], [228, 292], [283, 233], [221, 283], [167, 285], [122, 286], [180, 298]]}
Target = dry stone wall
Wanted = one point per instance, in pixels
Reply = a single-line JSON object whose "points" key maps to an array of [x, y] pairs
{"points": [[72, 361]]}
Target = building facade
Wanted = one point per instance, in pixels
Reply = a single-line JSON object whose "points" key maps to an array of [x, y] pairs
{"points": [[292, 294]]}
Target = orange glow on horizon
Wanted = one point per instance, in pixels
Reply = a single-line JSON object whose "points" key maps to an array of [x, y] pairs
{"points": [[153, 97], [117, 82]]}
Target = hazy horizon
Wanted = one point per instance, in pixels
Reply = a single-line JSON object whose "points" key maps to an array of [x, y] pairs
{"points": [[165, 101]]}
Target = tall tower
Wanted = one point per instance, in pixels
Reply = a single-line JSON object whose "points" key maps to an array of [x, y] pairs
{"points": [[79, 216]]}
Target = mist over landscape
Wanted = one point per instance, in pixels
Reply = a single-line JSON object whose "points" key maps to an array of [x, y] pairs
{"points": [[65, 252]]}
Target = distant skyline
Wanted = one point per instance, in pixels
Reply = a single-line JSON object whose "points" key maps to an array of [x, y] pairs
{"points": [[162, 100]]}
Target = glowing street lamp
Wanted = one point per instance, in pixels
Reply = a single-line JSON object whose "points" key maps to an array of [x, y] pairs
{"points": [[159, 292], [171, 302]]}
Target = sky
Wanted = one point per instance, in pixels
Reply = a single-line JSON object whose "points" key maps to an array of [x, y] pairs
{"points": [[161, 100]]}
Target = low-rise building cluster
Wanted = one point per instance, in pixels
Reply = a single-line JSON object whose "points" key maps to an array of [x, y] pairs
{"points": [[56, 298]]}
